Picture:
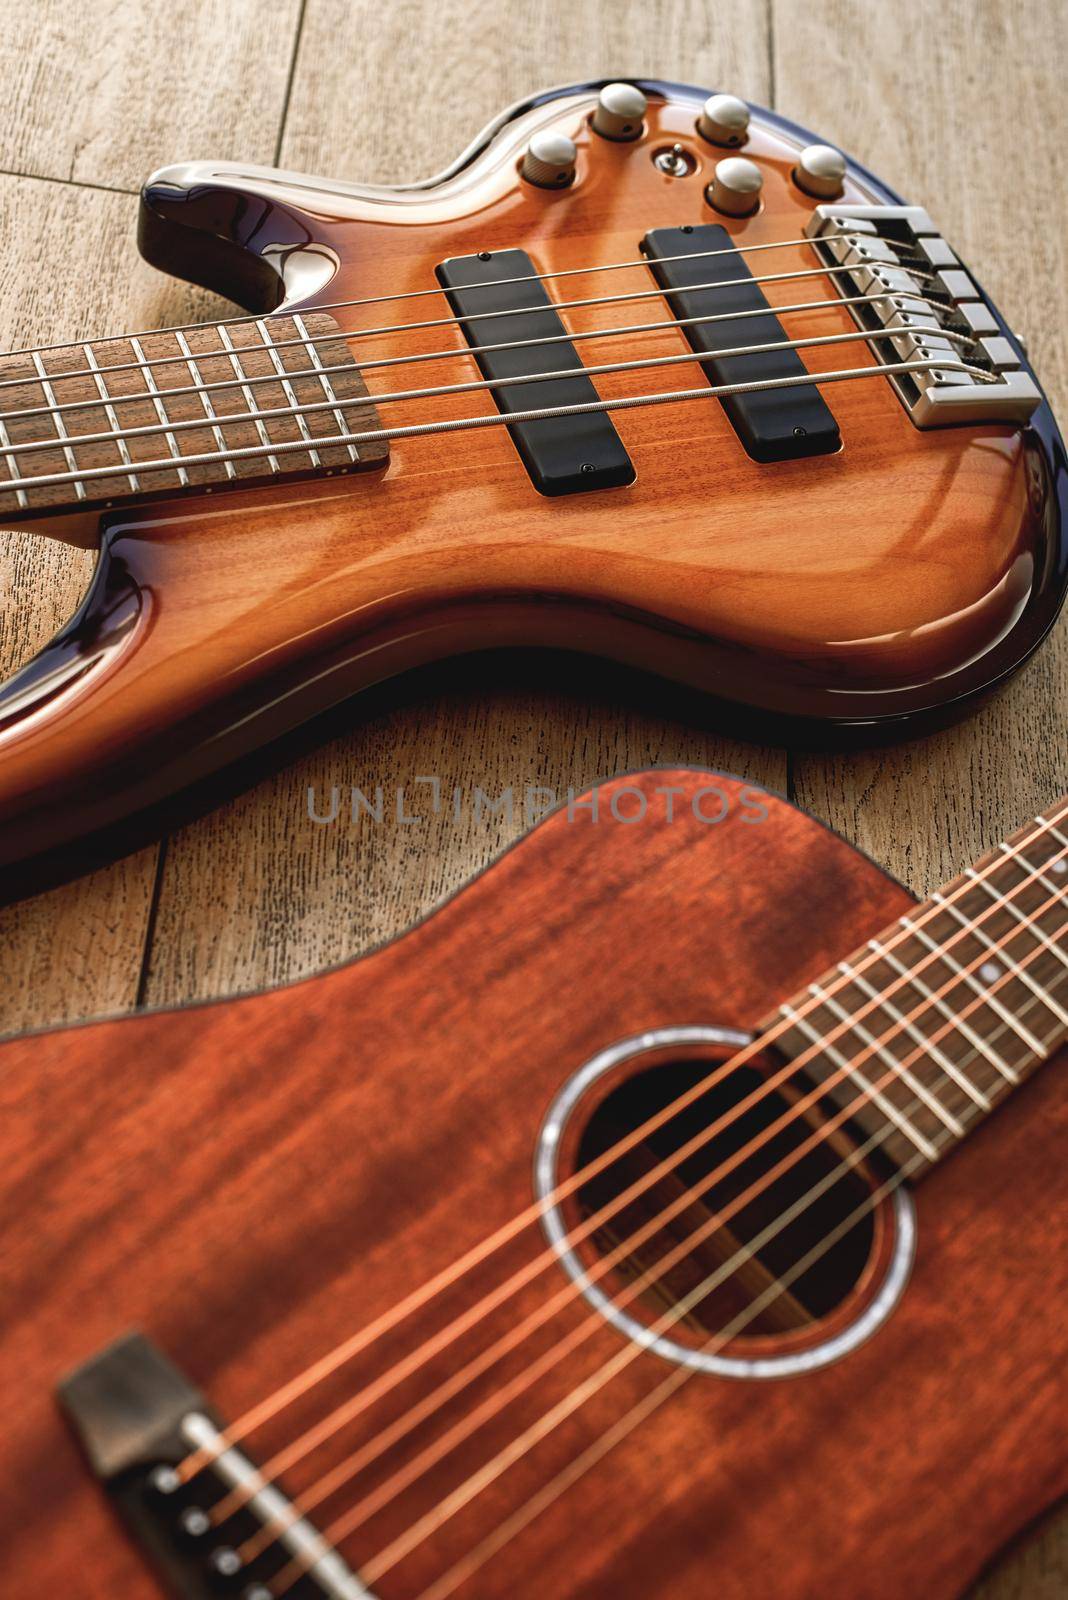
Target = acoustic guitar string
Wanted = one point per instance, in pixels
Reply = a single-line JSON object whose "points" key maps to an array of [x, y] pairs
{"points": [[350, 1347], [384, 1560], [654, 292], [301, 408], [302, 308], [284, 1459], [469, 1564], [314, 1374], [509, 419], [451, 354], [342, 1472]]}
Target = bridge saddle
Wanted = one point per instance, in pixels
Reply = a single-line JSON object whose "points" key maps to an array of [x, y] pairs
{"points": [[137, 1418], [907, 277]]}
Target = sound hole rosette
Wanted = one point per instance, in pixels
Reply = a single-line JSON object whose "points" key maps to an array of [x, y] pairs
{"points": [[637, 1053]]}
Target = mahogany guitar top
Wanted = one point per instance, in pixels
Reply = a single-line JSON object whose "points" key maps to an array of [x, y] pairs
{"points": [[250, 1181]]}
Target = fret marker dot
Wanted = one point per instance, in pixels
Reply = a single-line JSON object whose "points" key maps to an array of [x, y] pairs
{"points": [[1060, 866], [990, 972]]}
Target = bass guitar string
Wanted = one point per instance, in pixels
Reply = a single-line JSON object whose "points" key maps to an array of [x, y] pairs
{"points": [[344, 1471], [654, 292], [351, 1347], [450, 354], [326, 1365], [381, 1563], [505, 420], [304, 308], [224, 419]]}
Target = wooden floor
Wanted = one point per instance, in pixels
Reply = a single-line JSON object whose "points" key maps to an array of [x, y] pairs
{"points": [[960, 106]]}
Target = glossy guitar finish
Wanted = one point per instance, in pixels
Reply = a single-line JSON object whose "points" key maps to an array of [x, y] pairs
{"points": [[885, 586], [248, 1216]]}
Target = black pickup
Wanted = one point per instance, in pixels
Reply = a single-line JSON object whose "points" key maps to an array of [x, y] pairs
{"points": [[773, 424], [564, 455]]}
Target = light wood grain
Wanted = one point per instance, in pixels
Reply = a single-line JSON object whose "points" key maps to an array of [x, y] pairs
{"points": [[260, 893], [366, 105], [104, 91], [942, 78]]}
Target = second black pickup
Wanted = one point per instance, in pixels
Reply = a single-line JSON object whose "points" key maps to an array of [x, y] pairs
{"points": [[703, 274], [563, 455]]}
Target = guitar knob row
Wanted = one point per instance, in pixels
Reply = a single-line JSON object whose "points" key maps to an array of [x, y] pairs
{"points": [[550, 159]]}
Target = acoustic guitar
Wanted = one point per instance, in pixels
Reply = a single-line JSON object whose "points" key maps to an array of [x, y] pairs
{"points": [[644, 373], [679, 1210]]}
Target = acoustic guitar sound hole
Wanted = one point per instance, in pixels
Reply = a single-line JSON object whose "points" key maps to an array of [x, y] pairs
{"points": [[754, 1248]]}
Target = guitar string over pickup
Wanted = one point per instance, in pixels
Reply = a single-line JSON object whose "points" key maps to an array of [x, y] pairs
{"points": [[906, 277]]}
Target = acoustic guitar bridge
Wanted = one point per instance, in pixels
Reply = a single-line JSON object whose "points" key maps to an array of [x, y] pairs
{"points": [[137, 1418]]}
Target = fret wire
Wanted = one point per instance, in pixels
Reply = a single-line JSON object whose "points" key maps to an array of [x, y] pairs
{"points": [[239, 373], [209, 409], [22, 499], [1048, 826], [1008, 1073], [1036, 873], [1031, 926], [1034, 928], [877, 1098], [1000, 958], [324, 383], [111, 414], [60, 427], [901, 1072], [290, 394], [960, 1078], [161, 413], [978, 988]]}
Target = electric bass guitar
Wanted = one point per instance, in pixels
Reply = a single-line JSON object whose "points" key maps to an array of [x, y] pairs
{"points": [[743, 1276], [643, 373]]}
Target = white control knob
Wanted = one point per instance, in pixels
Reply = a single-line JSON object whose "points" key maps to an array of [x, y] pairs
{"points": [[735, 187], [724, 120], [620, 109], [821, 171], [550, 160]]}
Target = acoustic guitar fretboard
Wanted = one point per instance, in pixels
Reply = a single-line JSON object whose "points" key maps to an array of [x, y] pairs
{"points": [[928, 1027]]}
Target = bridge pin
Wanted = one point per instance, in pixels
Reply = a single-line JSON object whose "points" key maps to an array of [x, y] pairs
{"points": [[225, 1561]]}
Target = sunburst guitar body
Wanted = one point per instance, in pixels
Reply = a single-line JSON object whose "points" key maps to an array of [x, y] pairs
{"points": [[452, 421]]}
